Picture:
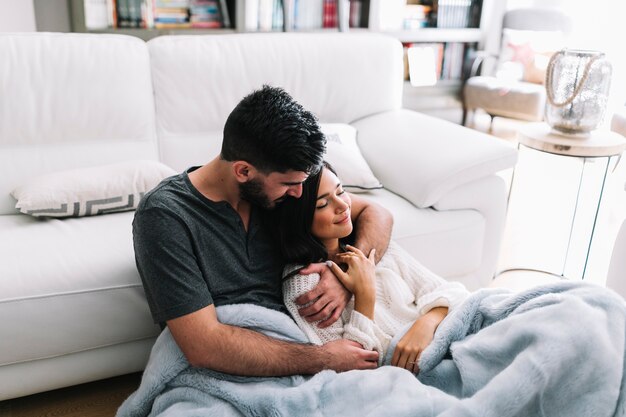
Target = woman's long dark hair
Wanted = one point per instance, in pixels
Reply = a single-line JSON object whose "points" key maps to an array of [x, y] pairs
{"points": [[294, 218]]}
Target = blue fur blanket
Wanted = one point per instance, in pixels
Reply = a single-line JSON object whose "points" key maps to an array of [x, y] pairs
{"points": [[555, 350]]}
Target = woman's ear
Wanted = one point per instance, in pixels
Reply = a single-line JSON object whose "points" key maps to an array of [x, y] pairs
{"points": [[243, 171]]}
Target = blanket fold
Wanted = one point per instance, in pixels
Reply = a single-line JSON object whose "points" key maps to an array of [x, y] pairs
{"points": [[554, 350]]}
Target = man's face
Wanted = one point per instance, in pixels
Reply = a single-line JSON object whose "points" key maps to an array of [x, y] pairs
{"points": [[268, 190]]}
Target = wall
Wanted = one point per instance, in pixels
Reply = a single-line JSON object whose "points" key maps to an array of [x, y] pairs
{"points": [[17, 16]]}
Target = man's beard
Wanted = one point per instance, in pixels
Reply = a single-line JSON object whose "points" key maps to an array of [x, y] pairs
{"points": [[252, 191]]}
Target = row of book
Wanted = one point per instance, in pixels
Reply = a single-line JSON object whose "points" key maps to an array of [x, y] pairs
{"points": [[428, 63], [290, 15], [264, 15], [159, 14], [259, 15], [395, 15], [416, 16], [458, 13]]}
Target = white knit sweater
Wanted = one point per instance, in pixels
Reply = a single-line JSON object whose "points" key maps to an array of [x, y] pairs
{"points": [[405, 290]]}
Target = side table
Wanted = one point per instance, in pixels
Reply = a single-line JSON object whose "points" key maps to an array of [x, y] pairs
{"points": [[596, 151]]}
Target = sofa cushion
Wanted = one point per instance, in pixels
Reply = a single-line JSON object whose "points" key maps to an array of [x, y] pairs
{"points": [[430, 157], [71, 101], [198, 80], [450, 243], [68, 286], [343, 153], [90, 191]]}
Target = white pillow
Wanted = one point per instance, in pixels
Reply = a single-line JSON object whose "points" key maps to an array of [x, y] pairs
{"points": [[90, 191], [343, 153]]}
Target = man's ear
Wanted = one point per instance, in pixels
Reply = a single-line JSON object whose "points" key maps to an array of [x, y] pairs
{"points": [[243, 171]]}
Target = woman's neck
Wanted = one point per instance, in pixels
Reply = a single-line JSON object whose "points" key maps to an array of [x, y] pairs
{"points": [[332, 247]]}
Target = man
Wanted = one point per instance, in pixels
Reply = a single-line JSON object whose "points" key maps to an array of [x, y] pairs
{"points": [[200, 242]]}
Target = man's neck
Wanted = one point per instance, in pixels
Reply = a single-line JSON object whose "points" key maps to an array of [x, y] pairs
{"points": [[216, 182]]}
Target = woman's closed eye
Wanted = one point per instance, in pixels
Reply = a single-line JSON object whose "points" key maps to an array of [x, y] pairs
{"points": [[324, 204]]}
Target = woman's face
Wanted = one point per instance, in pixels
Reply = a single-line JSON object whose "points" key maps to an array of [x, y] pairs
{"points": [[331, 219]]}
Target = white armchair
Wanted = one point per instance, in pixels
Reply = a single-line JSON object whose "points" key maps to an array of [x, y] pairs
{"points": [[504, 94]]}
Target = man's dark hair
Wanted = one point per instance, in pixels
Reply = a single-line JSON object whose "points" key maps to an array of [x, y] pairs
{"points": [[293, 220], [273, 132]]}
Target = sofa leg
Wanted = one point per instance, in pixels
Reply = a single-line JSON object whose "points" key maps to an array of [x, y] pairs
{"points": [[490, 131], [464, 118]]}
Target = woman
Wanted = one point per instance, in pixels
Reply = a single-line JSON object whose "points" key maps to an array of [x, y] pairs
{"points": [[388, 297]]}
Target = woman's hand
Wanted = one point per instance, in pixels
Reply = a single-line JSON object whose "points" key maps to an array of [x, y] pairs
{"points": [[359, 279], [410, 347], [361, 273]]}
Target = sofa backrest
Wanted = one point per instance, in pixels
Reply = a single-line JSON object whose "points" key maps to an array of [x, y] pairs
{"points": [[70, 101], [198, 80]]}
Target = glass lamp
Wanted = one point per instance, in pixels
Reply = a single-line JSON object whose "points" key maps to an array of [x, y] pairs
{"points": [[577, 87]]}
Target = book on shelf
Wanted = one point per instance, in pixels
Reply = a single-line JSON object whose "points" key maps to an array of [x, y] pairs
{"points": [[454, 13], [160, 14], [416, 16], [96, 14], [264, 15], [329, 14], [397, 15], [356, 12], [205, 14], [225, 13], [172, 14], [317, 14], [307, 14], [278, 20], [453, 55]]}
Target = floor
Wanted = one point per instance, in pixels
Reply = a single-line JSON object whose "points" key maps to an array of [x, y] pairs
{"points": [[102, 398], [96, 399]]}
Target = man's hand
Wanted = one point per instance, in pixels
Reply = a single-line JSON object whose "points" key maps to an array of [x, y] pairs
{"points": [[207, 343], [329, 297], [417, 338], [346, 355]]}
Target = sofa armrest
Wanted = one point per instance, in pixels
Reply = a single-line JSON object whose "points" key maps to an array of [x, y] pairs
{"points": [[422, 158]]}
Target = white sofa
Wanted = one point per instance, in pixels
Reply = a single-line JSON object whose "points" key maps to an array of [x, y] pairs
{"points": [[71, 301]]}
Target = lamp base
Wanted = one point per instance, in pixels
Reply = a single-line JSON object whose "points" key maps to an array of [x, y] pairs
{"points": [[570, 133]]}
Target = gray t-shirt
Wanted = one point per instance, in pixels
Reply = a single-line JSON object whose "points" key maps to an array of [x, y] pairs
{"points": [[192, 252]]}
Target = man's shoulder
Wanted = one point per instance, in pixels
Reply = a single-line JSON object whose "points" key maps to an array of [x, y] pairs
{"points": [[164, 193], [160, 208]]}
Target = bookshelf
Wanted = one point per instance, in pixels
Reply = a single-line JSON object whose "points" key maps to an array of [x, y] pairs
{"points": [[285, 15], [472, 35], [451, 28]]}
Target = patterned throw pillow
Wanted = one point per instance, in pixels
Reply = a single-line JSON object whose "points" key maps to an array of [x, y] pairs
{"points": [[90, 191], [343, 153]]}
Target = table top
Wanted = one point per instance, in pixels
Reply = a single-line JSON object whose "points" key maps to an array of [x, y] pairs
{"points": [[598, 143]]}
